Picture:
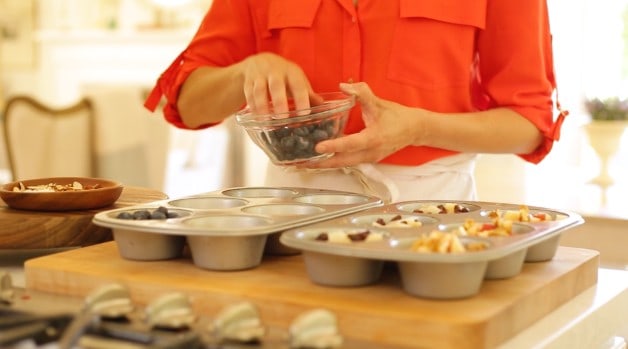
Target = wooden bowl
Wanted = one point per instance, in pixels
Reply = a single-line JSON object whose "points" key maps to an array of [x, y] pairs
{"points": [[105, 193]]}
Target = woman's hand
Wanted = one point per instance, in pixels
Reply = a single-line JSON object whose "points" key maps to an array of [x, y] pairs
{"points": [[268, 77], [258, 81], [391, 126], [388, 127]]}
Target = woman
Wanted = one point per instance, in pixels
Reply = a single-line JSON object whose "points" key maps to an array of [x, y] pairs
{"points": [[437, 82]]}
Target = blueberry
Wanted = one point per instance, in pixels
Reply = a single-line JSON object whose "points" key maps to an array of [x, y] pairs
{"points": [[298, 142], [141, 215], [319, 135], [124, 215], [329, 127], [158, 215], [302, 131], [288, 142], [282, 132], [303, 143]]}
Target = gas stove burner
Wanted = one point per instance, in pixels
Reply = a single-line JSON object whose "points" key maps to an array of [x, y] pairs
{"points": [[113, 335], [18, 326], [28, 330]]}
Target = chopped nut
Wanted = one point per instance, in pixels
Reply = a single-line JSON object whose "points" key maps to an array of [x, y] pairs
{"points": [[54, 187]]}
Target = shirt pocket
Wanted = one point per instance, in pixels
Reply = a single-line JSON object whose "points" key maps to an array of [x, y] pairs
{"points": [[433, 42], [289, 30]]}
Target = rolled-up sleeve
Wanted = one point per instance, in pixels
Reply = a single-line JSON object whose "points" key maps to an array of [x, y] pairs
{"points": [[219, 41], [516, 66]]}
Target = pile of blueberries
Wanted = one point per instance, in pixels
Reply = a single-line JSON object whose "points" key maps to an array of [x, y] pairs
{"points": [[160, 213], [290, 143]]}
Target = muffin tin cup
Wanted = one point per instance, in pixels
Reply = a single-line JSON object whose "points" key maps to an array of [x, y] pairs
{"points": [[442, 280], [543, 251], [506, 267], [135, 245], [226, 252], [436, 275], [341, 271]]}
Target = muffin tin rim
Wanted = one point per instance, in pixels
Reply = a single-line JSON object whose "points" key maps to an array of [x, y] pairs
{"points": [[175, 226]]}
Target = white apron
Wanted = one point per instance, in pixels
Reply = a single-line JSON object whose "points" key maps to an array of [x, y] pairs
{"points": [[449, 178]]}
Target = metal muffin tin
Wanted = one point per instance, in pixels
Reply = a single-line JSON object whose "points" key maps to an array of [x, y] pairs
{"points": [[427, 275], [227, 229]]}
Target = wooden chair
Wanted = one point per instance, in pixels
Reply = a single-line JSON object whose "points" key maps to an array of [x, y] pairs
{"points": [[42, 141]]}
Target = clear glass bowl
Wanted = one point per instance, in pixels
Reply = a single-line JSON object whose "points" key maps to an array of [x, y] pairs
{"points": [[289, 138]]}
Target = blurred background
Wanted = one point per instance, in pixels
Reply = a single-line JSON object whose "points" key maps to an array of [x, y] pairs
{"points": [[112, 51]]}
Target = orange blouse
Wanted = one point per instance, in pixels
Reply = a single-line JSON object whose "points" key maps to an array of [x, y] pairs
{"points": [[440, 55]]}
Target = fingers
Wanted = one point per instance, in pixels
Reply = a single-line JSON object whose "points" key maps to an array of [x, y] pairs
{"points": [[278, 95], [316, 99], [259, 98], [300, 90], [269, 82], [365, 96], [360, 90], [350, 150], [350, 143]]}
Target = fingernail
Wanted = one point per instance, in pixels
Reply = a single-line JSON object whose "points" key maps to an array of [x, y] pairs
{"points": [[348, 88]]}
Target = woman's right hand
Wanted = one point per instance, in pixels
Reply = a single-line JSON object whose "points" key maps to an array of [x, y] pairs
{"points": [[272, 78]]}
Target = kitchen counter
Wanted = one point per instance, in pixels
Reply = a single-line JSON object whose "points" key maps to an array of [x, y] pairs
{"points": [[594, 319], [597, 317]]}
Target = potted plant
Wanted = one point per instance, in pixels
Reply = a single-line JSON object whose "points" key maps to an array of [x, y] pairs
{"points": [[609, 109], [609, 119]]}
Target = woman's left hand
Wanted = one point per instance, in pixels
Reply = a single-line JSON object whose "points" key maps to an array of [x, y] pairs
{"points": [[388, 127]]}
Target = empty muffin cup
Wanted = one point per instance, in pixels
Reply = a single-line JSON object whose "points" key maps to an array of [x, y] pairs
{"points": [[208, 203], [227, 252], [222, 244], [143, 246], [260, 192], [332, 199]]}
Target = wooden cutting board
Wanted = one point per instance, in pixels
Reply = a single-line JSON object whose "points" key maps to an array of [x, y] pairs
{"points": [[380, 313]]}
